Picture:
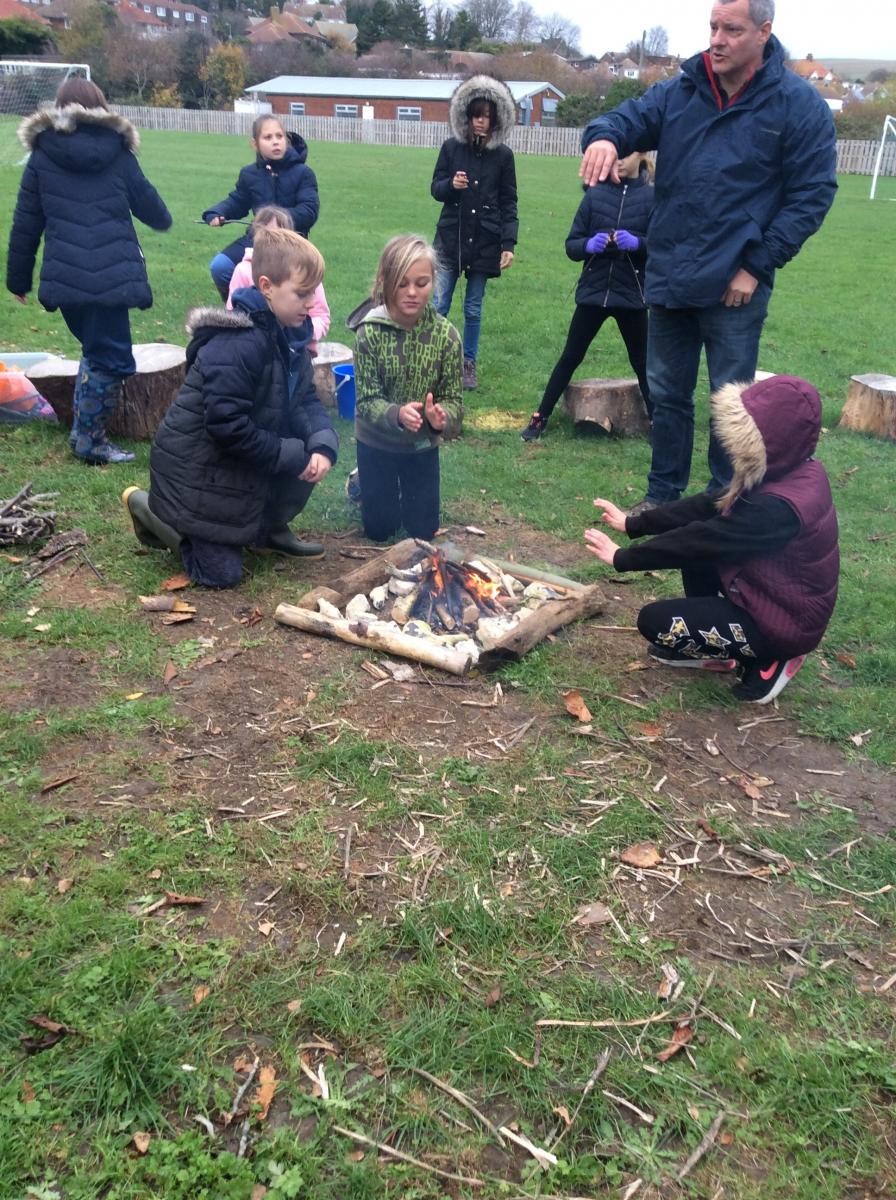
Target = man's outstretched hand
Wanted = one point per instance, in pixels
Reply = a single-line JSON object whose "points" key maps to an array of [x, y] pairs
{"points": [[599, 162]]}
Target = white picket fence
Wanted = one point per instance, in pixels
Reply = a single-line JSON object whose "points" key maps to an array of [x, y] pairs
{"points": [[853, 157]]}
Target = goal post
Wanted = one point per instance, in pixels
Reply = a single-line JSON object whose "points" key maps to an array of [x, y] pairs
{"points": [[889, 129], [26, 86]]}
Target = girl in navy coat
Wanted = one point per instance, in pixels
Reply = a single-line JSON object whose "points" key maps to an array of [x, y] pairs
{"points": [[609, 234], [79, 188], [278, 176]]}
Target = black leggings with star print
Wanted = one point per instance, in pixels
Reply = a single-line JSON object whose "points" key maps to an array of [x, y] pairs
{"points": [[703, 623]]}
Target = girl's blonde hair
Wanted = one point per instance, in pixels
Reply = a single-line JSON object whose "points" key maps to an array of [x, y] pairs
{"points": [[280, 253], [396, 260], [271, 216]]}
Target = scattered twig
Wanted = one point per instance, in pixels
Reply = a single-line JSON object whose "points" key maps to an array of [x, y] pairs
{"points": [[253, 1071], [347, 850], [711, 1134], [589, 1087], [461, 1099], [415, 1162], [205, 1123], [861, 895], [543, 1157], [646, 1117], [549, 1022]]}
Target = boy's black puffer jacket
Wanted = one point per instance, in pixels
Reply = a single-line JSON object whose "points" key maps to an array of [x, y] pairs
{"points": [[78, 190], [234, 430], [289, 184], [612, 279]]}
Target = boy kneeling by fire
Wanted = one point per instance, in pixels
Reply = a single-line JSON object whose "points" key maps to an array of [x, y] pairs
{"points": [[759, 563]]}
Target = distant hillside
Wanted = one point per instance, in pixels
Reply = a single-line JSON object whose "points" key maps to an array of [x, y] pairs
{"points": [[856, 68]]}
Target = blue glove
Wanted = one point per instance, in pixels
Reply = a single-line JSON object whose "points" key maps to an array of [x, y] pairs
{"points": [[597, 243], [627, 242]]}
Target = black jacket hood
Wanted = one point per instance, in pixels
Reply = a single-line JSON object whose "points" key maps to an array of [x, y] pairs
{"points": [[79, 139]]}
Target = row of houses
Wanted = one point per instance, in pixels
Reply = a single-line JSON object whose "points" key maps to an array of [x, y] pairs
{"points": [[150, 18]]}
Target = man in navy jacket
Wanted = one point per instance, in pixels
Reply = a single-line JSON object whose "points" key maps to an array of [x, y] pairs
{"points": [[745, 173]]}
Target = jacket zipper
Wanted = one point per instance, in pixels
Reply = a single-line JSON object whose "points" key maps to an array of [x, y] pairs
{"points": [[613, 263]]}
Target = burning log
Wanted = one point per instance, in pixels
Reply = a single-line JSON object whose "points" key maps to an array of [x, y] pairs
{"points": [[535, 627], [375, 636]]}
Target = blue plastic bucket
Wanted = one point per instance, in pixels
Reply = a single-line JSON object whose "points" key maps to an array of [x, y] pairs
{"points": [[344, 376]]}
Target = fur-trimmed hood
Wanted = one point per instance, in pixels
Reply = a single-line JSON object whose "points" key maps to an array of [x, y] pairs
{"points": [[483, 87], [767, 428], [67, 120], [215, 318]]}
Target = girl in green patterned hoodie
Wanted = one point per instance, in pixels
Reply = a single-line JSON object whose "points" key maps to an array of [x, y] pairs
{"points": [[408, 364]]}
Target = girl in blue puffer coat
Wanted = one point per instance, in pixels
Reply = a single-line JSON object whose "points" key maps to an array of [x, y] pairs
{"points": [[608, 234], [278, 176], [79, 188]]}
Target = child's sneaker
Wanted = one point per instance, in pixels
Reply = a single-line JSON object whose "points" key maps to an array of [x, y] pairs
{"points": [[353, 487], [760, 685], [669, 658], [535, 428]]}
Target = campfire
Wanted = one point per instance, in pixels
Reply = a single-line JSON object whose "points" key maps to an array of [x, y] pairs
{"points": [[424, 603]]}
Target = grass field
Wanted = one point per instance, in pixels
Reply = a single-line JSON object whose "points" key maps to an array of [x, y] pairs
{"points": [[437, 843]]}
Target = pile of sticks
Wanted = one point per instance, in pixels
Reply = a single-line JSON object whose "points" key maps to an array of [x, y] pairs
{"points": [[26, 518]]}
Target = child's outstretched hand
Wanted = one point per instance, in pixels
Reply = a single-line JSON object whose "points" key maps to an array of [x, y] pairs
{"points": [[434, 413], [601, 545], [410, 416], [216, 221], [318, 465], [612, 516]]}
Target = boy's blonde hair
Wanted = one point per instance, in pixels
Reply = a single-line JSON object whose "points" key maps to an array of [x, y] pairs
{"points": [[280, 253], [395, 261], [272, 216]]}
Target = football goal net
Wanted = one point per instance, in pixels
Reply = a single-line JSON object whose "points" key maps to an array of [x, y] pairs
{"points": [[25, 87], [886, 153]]}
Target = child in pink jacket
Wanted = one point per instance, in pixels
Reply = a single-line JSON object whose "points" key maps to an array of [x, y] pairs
{"points": [[270, 216]]}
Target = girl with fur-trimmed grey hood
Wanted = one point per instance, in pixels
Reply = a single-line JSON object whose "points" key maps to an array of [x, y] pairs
{"points": [[475, 182], [79, 188]]}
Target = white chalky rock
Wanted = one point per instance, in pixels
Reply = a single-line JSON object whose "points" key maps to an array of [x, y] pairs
{"points": [[491, 630], [378, 596], [401, 587], [357, 606], [326, 609]]}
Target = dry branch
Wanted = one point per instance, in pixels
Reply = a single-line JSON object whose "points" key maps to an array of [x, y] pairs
{"points": [[399, 1154]]}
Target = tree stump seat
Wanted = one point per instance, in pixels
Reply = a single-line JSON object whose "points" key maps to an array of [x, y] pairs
{"points": [[145, 396], [329, 355], [871, 406], [613, 405]]}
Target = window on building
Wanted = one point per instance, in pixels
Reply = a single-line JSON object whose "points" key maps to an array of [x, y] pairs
{"points": [[147, 8], [549, 111], [203, 20], [408, 113], [175, 12], [188, 16], [161, 10], [296, 109], [345, 110]]}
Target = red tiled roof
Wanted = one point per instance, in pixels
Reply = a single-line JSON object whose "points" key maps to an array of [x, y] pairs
{"points": [[12, 10]]}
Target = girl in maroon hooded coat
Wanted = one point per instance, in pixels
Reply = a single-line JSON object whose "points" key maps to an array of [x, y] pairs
{"points": [[760, 563]]}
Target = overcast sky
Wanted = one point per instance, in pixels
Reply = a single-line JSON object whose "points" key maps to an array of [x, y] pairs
{"points": [[837, 28]]}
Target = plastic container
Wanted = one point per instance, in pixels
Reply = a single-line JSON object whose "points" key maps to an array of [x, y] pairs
{"points": [[344, 378]]}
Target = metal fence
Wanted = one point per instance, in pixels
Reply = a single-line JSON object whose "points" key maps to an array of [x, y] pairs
{"points": [[853, 157]]}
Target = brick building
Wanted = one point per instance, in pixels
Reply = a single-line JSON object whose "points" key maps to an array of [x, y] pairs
{"points": [[392, 99]]}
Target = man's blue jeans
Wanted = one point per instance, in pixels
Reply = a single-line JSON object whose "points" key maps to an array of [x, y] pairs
{"points": [[443, 293], [730, 337]]}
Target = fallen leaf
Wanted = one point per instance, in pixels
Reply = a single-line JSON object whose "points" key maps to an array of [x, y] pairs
{"points": [[493, 997], [638, 665], [28, 1092], [593, 914], [641, 854], [59, 782], [668, 982], [845, 660], [726, 1137], [63, 886], [650, 731], [170, 672], [199, 993], [155, 873], [253, 617], [176, 582], [222, 657], [563, 1113], [711, 748], [133, 695], [355, 1155], [12, 558], [294, 1006], [43, 628], [140, 1142], [749, 788], [55, 1032], [264, 1093], [242, 1063], [265, 928], [174, 899], [683, 1034], [703, 824], [576, 706]]}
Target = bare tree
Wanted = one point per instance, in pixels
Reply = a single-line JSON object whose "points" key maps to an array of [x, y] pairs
{"points": [[556, 28], [525, 23], [656, 40], [491, 17]]}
